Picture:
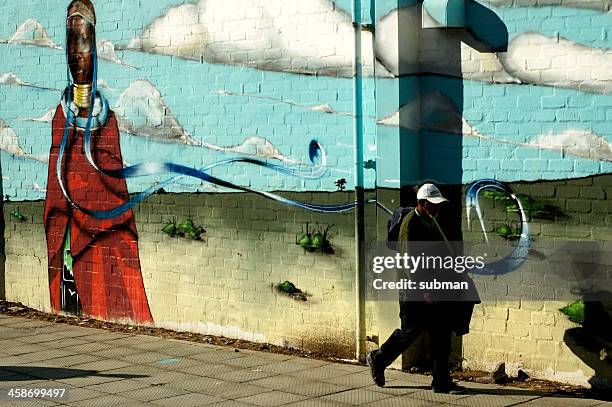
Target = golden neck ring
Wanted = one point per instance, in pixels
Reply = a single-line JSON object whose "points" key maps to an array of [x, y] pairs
{"points": [[82, 95]]}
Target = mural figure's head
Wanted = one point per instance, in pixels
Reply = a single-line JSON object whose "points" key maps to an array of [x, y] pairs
{"points": [[81, 40]]}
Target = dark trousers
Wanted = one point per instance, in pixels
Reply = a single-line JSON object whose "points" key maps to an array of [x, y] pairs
{"points": [[415, 317]]}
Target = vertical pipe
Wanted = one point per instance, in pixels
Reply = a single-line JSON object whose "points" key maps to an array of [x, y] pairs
{"points": [[359, 186]]}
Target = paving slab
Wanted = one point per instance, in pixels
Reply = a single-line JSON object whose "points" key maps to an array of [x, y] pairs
{"points": [[317, 403], [217, 356], [231, 403], [103, 365], [145, 357], [109, 401], [485, 400], [284, 367], [66, 361], [244, 375], [397, 387], [271, 398], [152, 393], [42, 337], [357, 397], [406, 402], [321, 373], [352, 379], [174, 363], [563, 402], [207, 369], [115, 352], [166, 377], [295, 385], [79, 394], [188, 400], [63, 342], [117, 387], [429, 395], [201, 385], [231, 391]]}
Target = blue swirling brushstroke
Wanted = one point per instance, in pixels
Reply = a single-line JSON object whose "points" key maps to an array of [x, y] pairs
{"points": [[518, 256], [315, 152]]}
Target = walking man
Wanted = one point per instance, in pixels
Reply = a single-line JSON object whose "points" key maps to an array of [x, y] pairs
{"points": [[425, 313]]}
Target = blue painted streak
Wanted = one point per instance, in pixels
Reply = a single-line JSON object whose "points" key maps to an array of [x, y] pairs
{"points": [[518, 256]]}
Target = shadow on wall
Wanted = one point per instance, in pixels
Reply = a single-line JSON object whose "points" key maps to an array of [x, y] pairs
{"points": [[592, 341], [441, 127]]}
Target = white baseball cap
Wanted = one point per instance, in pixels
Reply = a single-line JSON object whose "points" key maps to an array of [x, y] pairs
{"points": [[431, 193]]}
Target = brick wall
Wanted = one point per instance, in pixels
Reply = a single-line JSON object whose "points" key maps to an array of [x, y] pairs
{"points": [[528, 334], [222, 285]]}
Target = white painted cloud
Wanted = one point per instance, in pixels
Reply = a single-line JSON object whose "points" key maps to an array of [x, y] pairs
{"points": [[589, 4], [535, 58], [437, 112], [432, 112], [408, 112], [106, 51], [141, 111], [482, 66], [102, 84], [32, 32], [47, 117], [9, 142], [531, 58], [256, 146], [309, 37], [322, 108], [580, 143], [395, 38], [37, 187], [9, 78]]}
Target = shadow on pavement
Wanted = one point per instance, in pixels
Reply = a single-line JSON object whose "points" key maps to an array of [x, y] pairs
{"points": [[470, 391], [26, 373]]}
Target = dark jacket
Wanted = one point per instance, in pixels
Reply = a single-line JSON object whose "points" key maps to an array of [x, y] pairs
{"points": [[454, 312]]}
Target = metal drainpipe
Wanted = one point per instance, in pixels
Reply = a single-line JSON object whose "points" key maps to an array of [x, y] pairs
{"points": [[360, 337]]}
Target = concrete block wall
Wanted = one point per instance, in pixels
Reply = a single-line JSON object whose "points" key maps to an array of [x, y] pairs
{"points": [[224, 284], [528, 334]]}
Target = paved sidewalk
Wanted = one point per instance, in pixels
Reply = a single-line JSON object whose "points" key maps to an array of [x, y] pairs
{"points": [[101, 368]]}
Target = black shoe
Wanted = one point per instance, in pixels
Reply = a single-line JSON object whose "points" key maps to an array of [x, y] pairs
{"points": [[378, 372], [450, 388]]}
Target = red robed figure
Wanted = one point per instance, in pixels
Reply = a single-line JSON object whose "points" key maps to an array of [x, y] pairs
{"points": [[106, 264], [102, 260]]}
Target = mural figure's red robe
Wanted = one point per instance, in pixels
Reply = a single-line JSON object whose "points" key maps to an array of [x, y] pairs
{"points": [[106, 265]]}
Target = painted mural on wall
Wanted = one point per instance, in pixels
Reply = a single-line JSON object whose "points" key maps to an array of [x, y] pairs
{"points": [[153, 108], [174, 93], [94, 266]]}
